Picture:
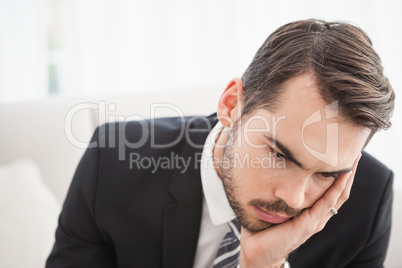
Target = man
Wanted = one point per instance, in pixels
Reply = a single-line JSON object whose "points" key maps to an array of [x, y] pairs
{"points": [[281, 158]]}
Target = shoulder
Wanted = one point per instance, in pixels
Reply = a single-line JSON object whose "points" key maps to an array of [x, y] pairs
{"points": [[164, 131], [372, 168], [119, 144], [373, 181]]}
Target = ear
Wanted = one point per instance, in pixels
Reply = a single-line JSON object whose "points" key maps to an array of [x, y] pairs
{"points": [[230, 102]]}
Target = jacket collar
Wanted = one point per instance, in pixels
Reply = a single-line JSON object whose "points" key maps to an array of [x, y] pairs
{"points": [[183, 217]]}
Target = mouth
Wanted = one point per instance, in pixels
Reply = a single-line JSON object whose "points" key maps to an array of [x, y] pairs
{"points": [[270, 217]]}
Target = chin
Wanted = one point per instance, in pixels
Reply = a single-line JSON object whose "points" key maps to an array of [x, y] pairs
{"points": [[255, 225]]}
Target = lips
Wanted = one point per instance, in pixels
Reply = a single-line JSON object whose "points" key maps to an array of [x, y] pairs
{"points": [[270, 216]]}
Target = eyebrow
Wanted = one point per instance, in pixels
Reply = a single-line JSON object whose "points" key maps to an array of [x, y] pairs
{"points": [[290, 156]]}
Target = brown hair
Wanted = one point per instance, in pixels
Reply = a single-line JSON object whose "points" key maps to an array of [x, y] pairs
{"points": [[343, 60]]}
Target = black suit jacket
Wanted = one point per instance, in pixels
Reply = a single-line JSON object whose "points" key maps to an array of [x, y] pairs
{"points": [[117, 215]]}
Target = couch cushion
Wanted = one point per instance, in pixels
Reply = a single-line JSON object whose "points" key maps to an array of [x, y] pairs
{"points": [[37, 130], [28, 215]]}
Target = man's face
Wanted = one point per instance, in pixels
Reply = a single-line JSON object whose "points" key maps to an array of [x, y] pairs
{"points": [[275, 164]]}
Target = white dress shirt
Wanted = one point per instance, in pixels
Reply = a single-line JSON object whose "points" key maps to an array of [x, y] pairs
{"points": [[216, 211]]}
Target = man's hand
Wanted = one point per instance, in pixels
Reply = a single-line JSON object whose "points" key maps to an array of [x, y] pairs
{"points": [[271, 247]]}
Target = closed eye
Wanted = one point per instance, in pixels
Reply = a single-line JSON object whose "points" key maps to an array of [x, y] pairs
{"points": [[277, 154], [327, 176]]}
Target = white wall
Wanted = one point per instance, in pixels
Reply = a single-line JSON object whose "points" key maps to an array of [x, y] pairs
{"points": [[129, 47], [123, 47], [22, 50]]}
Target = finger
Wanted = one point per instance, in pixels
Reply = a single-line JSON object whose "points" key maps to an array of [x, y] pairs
{"points": [[329, 206], [346, 192], [313, 220], [344, 196], [336, 195], [330, 198], [339, 192]]}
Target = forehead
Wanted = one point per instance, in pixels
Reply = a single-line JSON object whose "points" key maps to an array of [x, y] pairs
{"points": [[310, 127], [300, 94]]}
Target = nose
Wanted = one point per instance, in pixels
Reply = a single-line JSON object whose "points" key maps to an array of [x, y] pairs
{"points": [[292, 190]]}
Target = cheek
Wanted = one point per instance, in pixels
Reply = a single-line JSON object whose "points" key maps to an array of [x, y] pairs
{"points": [[248, 182], [316, 189], [254, 183], [255, 173]]}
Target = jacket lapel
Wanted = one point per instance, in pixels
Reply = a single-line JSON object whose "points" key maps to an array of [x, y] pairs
{"points": [[183, 217]]}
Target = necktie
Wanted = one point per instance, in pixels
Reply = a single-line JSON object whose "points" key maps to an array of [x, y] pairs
{"points": [[229, 249]]}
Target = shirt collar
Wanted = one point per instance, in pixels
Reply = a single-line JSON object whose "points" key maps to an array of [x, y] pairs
{"points": [[214, 193]]}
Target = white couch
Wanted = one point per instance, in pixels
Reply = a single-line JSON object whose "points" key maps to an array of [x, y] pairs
{"points": [[41, 143]]}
